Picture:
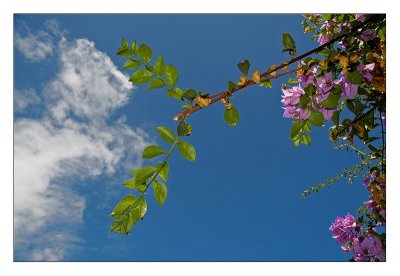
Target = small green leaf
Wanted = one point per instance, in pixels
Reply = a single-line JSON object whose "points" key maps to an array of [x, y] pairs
{"points": [[310, 90], [176, 93], [306, 139], [166, 134], [327, 16], [163, 171], [183, 129], [231, 86], [316, 118], [160, 191], [297, 126], [124, 52], [171, 75], [145, 52], [141, 76], [296, 143], [159, 65], [231, 116], [122, 206], [144, 173], [332, 100], [152, 151], [354, 77], [382, 33], [307, 126], [141, 206], [116, 226], [124, 43], [304, 100], [244, 67], [130, 183], [335, 117], [187, 150], [131, 64], [156, 83], [288, 42], [134, 47], [190, 94]]}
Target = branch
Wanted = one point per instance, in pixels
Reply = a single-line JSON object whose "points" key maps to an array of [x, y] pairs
{"points": [[266, 75]]}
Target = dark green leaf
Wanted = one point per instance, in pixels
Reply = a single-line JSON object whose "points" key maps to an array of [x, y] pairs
{"points": [[160, 191], [145, 52], [335, 117], [152, 151], [156, 83], [166, 134], [231, 86], [159, 65], [122, 206], [163, 170], [244, 67], [297, 126], [187, 150], [171, 75], [190, 94], [141, 76], [176, 93], [288, 42], [231, 116], [184, 129], [304, 100], [131, 64], [316, 118], [332, 100], [310, 90], [354, 77], [350, 106], [124, 52]]}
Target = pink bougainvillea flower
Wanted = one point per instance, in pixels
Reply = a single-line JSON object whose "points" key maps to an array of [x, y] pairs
{"points": [[366, 70]]}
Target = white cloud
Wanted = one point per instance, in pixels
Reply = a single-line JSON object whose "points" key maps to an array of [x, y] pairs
{"points": [[35, 47], [24, 98], [72, 142]]}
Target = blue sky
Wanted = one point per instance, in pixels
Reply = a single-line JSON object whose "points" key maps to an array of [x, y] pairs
{"points": [[80, 126]]}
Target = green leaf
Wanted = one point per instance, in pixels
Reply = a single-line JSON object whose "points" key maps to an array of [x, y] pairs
{"points": [[316, 118], [124, 52], [354, 77], [166, 134], [382, 33], [288, 42], [156, 83], [183, 129], [332, 100], [187, 150], [176, 93], [145, 52], [152, 151], [244, 67], [122, 206], [116, 226], [128, 222], [130, 183], [159, 65], [307, 126], [231, 116], [327, 16], [144, 173], [141, 206], [306, 139], [141, 76], [335, 117], [296, 143], [163, 171], [134, 47], [231, 86], [171, 75], [124, 43], [297, 126], [131, 64], [310, 90], [190, 94], [350, 106], [160, 191], [304, 100]]}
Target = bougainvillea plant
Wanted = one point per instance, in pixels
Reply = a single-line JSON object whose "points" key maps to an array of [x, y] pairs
{"points": [[344, 74]]}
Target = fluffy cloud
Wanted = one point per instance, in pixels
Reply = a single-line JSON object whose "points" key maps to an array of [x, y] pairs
{"points": [[35, 47], [24, 98], [73, 141]]}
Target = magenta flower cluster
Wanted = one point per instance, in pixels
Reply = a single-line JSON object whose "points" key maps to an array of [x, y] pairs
{"points": [[348, 232]]}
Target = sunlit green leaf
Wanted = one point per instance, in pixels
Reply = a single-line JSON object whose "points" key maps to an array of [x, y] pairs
{"points": [[141, 76], [160, 191], [166, 134], [130, 183], [187, 150], [163, 170], [316, 118], [306, 139], [152, 151], [156, 83], [159, 65], [171, 75], [145, 52], [144, 173], [131, 64], [122, 206], [176, 93], [297, 126]]}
